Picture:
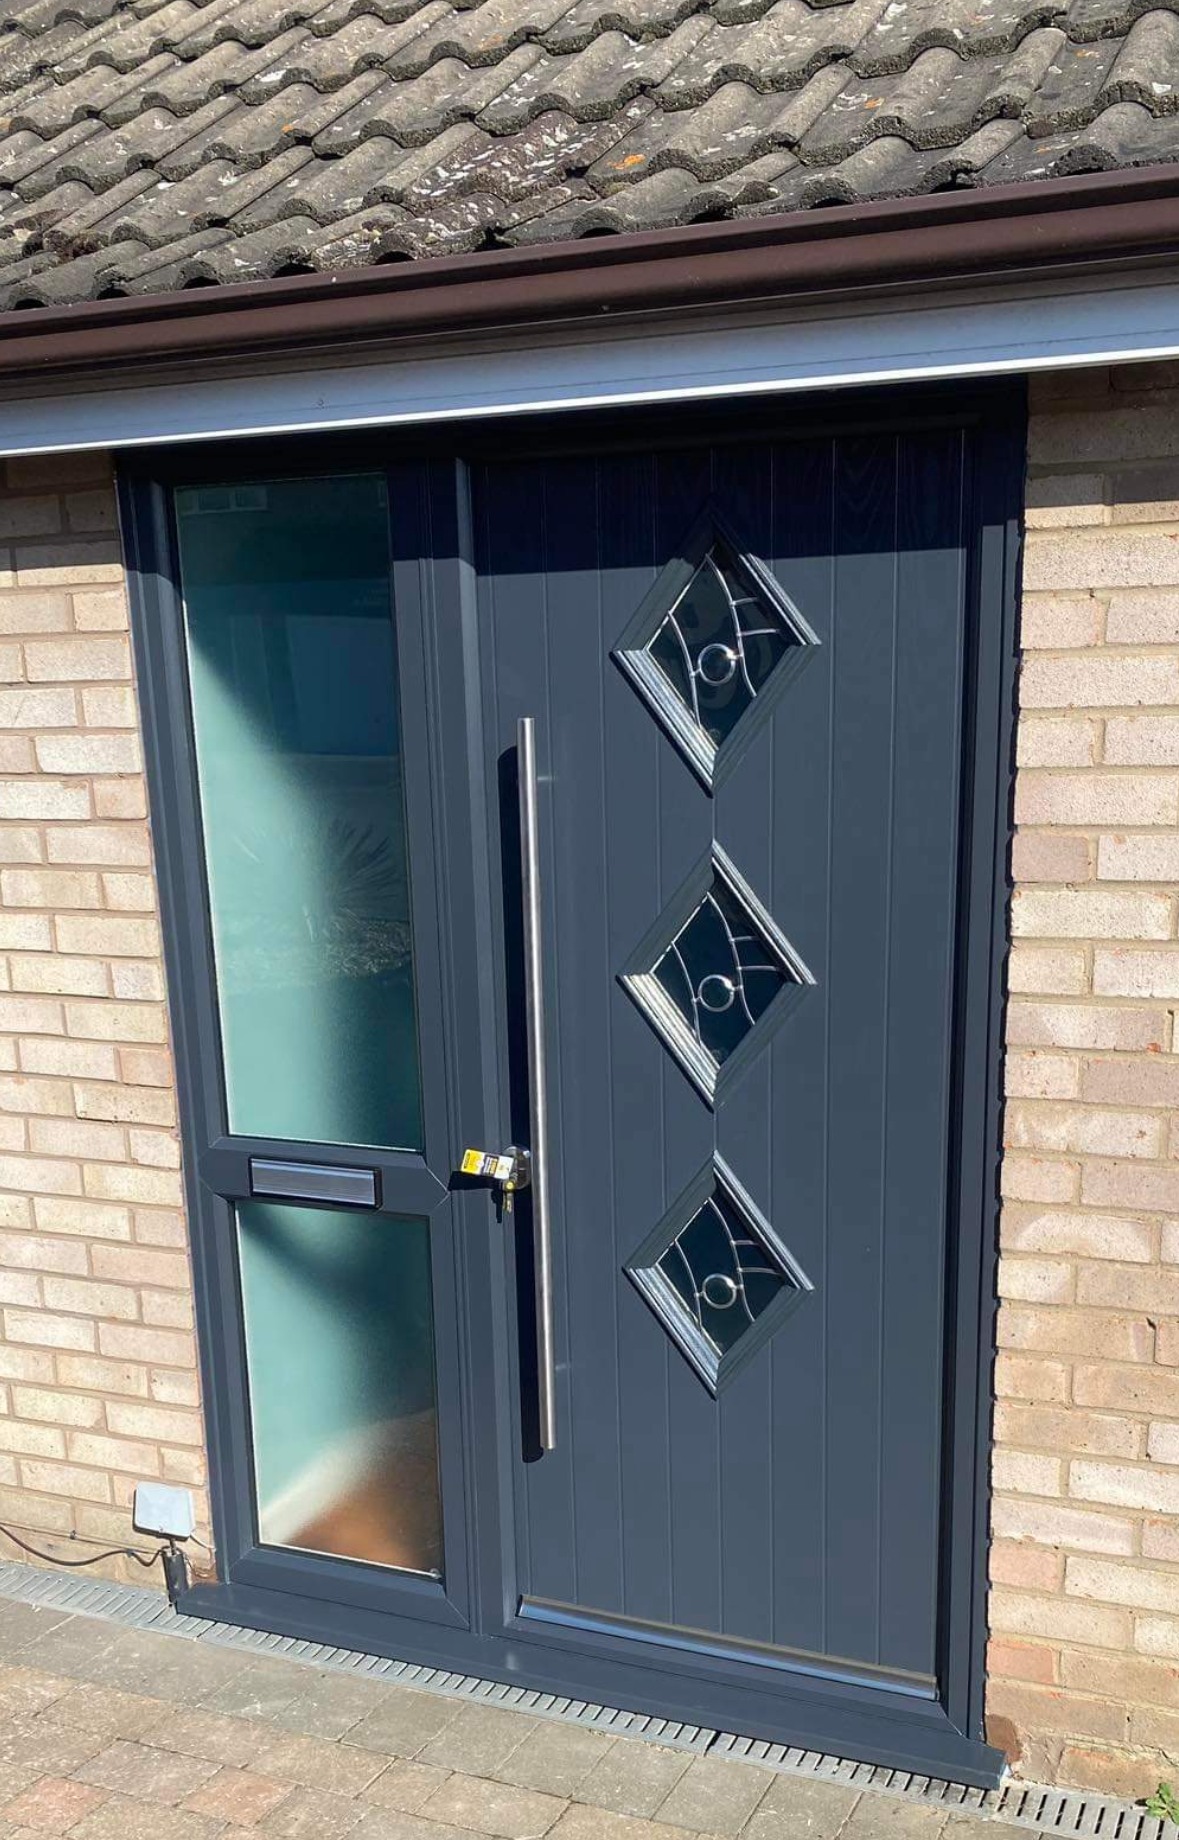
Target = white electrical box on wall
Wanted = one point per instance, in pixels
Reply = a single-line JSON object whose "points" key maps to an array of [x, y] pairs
{"points": [[160, 1509]]}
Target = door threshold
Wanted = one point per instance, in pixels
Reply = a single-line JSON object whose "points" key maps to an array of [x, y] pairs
{"points": [[701, 1641], [1021, 1804]]}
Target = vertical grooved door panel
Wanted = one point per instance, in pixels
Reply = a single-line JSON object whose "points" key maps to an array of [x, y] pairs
{"points": [[781, 1487]]}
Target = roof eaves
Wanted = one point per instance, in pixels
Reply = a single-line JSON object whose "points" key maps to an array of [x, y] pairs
{"points": [[965, 236]]}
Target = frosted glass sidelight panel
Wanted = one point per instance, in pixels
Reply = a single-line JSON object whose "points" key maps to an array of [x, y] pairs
{"points": [[339, 1352], [293, 662]]}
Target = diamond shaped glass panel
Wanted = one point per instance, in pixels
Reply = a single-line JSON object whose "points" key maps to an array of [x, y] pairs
{"points": [[717, 1276], [720, 972], [708, 642], [720, 641], [714, 968]]}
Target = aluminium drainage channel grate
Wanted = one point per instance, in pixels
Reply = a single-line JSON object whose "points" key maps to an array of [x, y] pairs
{"points": [[1056, 1811]]}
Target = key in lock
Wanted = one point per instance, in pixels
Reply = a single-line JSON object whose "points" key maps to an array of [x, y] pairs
{"points": [[509, 1169]]}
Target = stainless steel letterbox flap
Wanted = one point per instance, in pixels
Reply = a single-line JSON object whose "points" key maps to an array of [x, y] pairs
{"points": [[313, 1182]]}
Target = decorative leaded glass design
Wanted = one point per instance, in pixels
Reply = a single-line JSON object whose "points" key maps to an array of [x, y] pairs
{"points": [[714, 972], [716, 1275], [710, 642]]}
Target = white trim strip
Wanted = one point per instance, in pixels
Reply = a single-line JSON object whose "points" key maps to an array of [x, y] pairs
{"points": [[1035, 329]]}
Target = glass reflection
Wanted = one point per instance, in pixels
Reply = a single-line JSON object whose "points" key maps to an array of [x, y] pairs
{"points": [[719, 644], [293, 666], [340, 1358], [720, 972]]}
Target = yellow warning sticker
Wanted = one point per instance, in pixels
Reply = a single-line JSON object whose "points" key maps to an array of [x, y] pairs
{"points": [[494, 1165]]}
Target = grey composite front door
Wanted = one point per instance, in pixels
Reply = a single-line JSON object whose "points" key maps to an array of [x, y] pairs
{"points": [[750, 669], [712, 1445]]}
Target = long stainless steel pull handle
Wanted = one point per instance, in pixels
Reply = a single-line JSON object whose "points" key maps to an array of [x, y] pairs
{"points": [[542, 1247]]}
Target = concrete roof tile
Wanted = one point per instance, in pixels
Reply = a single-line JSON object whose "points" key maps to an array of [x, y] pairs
{"points": [[413, 112], [31, 165], [780, 50], [125, 42], [584, 20], [1066, 96], [93, 92], [61, 283], [169, 143], [1146, 68], [186, 86], [594, 84]]}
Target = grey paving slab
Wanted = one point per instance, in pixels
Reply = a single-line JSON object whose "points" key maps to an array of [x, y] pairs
{"points": [[312, 1814], [633, 1778], [580, 1822], [317, 1763], [478, 1740], [329, 1704], [387, 1824], [86, 1648], [23, 1623], [556, 1757], [798, 1808], [75, 1648], [15, 1777], [176, 1669], [211, 1735], [149, 1775], [715, 1795], [494, 1808], [403, 1724], [108, 1711], [256, 1688], [25, 1691], [884, 1817], [123, 1819], [405, 1786], [47, 1749]]}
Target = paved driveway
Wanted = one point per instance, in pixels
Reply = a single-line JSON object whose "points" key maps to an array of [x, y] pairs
{"points": [[110, 1733]]}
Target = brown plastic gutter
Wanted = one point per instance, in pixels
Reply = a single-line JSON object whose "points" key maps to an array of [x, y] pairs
{"points": [[1056, 226]]}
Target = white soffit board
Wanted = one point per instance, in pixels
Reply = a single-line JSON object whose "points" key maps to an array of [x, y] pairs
{"points": [[1057, 326]]}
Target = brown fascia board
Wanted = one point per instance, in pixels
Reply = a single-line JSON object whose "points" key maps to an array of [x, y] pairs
{"points": [[1051, 227]]}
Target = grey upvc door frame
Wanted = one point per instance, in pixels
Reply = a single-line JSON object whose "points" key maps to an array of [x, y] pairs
{"points": [[475, 1623], [218, 1161]]}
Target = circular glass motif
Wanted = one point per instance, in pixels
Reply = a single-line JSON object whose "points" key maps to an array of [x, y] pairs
{"points": [[720, 642], [721, 1272], [720, 972], [716, 664], [716, 993]]}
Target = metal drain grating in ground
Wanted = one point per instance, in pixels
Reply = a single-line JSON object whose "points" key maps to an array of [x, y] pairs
{"points": [[1057, 1811], [1061, 1812]]}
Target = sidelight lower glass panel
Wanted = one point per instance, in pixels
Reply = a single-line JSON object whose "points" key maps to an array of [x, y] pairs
{"points": [[340, 1360], [293, 667]]}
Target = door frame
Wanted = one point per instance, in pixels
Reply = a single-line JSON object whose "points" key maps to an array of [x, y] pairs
{"points": [[940, 1735]]}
